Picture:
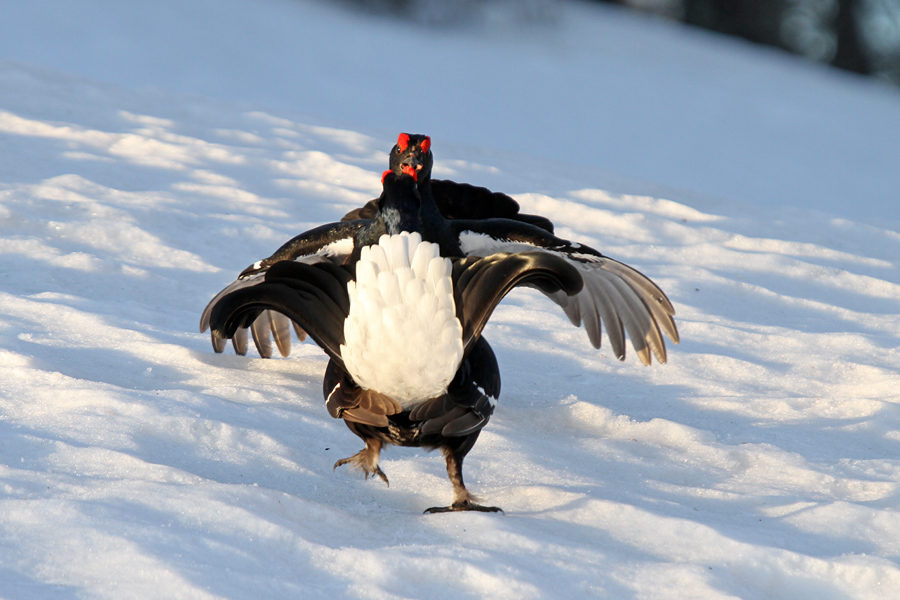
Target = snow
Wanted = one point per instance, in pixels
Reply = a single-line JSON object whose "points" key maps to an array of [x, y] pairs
{"points": [[149, 153]]}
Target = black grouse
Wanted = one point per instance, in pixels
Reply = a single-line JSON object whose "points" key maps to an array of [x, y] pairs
{"points": [[398, 302]]}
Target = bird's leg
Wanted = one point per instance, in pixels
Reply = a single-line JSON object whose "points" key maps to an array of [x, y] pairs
{"points": [[366, 460], [462, 499]]}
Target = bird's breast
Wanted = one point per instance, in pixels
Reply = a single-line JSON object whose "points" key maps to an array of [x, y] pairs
{"points": [[402, 337]]}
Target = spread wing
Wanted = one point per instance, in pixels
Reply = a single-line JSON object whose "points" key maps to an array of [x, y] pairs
{"points": [[332, 242], [480, 283], [312, 295], [614, 294], [315, 296]]}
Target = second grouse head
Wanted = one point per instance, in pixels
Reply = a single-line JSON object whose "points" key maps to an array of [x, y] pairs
{"points": [[412, 155]]}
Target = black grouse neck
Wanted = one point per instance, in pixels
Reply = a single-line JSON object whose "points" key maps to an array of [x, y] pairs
{"points": [[407, 205], [400, 214], [412, 154], [398, 211], [434, 225]]}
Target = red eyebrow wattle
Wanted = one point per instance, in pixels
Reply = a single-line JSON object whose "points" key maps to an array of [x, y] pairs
{"points": [[403, 141]]}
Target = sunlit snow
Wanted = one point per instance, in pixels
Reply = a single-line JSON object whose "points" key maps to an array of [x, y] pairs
{"points": [[760, 462]]}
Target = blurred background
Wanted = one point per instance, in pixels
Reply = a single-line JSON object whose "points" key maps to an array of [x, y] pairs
{"points": [[729, 99], [862, 36]]}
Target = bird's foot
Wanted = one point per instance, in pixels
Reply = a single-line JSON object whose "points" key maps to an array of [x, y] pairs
{"points": [[362, 461], [464, 505]]}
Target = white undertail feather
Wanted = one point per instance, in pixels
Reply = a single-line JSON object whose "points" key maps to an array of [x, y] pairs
{"points": [[402, 337]]}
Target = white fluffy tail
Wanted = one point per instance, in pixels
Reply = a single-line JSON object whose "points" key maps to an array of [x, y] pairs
{"points": [[402, 337]]}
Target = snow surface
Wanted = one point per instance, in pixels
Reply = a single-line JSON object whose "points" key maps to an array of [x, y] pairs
{"points": [[761, 462]]}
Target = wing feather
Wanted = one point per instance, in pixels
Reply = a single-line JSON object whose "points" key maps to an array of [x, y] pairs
{"points": [[480, 283], [280, 326], [652, 295], [614, 294], [239, 341], [261, 332], [314, 296], [332, 242]]}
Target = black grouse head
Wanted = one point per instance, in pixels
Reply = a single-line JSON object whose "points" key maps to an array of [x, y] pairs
{"points": [[412, 155], [400, 202]]}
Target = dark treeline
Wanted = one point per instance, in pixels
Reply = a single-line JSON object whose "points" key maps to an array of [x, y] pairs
{"points": [[862, 36]]}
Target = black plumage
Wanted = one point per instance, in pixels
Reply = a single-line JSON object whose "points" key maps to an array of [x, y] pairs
{"points": [[305, 283], [315, 297]]}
